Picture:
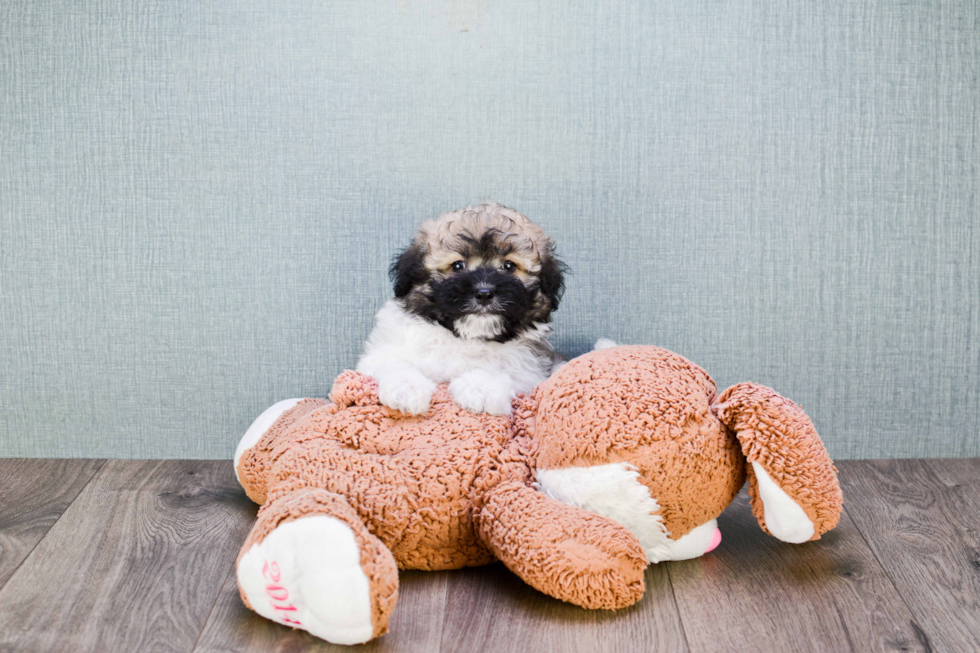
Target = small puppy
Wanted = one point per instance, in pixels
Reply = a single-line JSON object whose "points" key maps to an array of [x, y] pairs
{"points": [[474, 294]]}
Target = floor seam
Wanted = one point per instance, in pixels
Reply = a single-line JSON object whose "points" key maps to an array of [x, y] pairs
{"points": [[207, 619], [233, 571], [884, 568], [680, 617], [102, 463], [445, 613]]}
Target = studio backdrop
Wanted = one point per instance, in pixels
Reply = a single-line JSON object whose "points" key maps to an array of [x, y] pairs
{"points": [[199, 200]]}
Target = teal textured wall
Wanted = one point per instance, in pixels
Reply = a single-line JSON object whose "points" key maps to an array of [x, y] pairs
{"points": [[198, 200]]}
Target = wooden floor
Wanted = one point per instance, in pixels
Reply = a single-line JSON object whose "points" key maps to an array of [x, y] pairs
{"points": [[137, 556]]}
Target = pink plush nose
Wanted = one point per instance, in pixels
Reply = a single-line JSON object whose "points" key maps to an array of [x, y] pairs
{"points": [[715, 540]]}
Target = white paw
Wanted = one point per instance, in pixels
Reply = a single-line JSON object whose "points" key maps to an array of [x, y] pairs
{"points": [[482, 392], [407, 391], [307, 574], [260, 426], [785, 519]]}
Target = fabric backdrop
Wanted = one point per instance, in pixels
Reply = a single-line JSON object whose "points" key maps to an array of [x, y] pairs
{"points": [[198, 200]]}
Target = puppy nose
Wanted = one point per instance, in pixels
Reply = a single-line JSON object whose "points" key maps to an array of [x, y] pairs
{"points": [[484, 295]]}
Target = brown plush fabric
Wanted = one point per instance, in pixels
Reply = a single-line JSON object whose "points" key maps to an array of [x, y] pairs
{"points": [[377, 562], [415, 481], [651, 408], [566, 552], [254, 466], [451, 488], [778, 435]]}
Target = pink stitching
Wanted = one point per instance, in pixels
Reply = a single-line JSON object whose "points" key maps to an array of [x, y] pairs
{"points": [[277, 593]]}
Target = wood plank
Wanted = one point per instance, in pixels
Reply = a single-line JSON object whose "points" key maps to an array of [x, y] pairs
{"points": [[134, 564], [491, 609], [416, 624], [33, 495], [922, 520], [143, 558], [757, 593]]}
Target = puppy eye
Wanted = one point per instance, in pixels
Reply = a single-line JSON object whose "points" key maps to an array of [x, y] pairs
{"points": [[509, 266], [459, 266]]}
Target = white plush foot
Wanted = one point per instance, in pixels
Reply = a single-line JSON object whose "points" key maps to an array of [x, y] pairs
{"points": [[785, 519], [260, 426], [307, 574], [409, 391], [696, 543], [482, 392], [613, 491]]}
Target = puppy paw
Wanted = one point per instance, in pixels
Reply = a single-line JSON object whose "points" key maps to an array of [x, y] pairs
{"points": [[409, 391], [483, 392]]}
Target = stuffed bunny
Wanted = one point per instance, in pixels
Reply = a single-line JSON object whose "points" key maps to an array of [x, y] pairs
{"points": [[624, 457]]}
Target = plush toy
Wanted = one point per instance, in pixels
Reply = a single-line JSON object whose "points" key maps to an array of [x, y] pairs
{"points": [[624, 457]]}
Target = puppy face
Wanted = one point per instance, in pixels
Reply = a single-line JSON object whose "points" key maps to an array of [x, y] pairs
{"points": [[484, 272]]}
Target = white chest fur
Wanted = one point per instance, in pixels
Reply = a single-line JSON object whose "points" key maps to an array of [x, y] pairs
{"points": [[441, 356]]}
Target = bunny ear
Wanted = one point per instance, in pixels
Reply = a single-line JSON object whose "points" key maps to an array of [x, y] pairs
{"points": [[787, 461], [354, 389]]}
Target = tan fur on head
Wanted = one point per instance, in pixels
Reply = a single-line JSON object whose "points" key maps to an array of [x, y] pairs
{"points": [[446, 237]]}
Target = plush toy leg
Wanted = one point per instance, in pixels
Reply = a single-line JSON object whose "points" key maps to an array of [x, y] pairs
{"points": [[310, 563], [564, 551], [792, 481]]}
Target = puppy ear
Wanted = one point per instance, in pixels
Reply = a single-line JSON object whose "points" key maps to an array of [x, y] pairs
{"points": [[552, 279], [407, 270]]}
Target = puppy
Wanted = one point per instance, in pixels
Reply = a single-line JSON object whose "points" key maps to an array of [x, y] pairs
{"points": [[474, 293]]}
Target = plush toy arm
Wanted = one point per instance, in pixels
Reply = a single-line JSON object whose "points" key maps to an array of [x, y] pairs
{"points": [[561, 550], [354, 389], [252, 458], [788, 463]]}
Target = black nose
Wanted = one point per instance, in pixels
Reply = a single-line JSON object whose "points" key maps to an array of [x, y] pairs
{"points": [[484, 295]]}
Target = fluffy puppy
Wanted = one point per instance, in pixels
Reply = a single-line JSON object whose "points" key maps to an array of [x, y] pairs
{"points": [[474, 293]]}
